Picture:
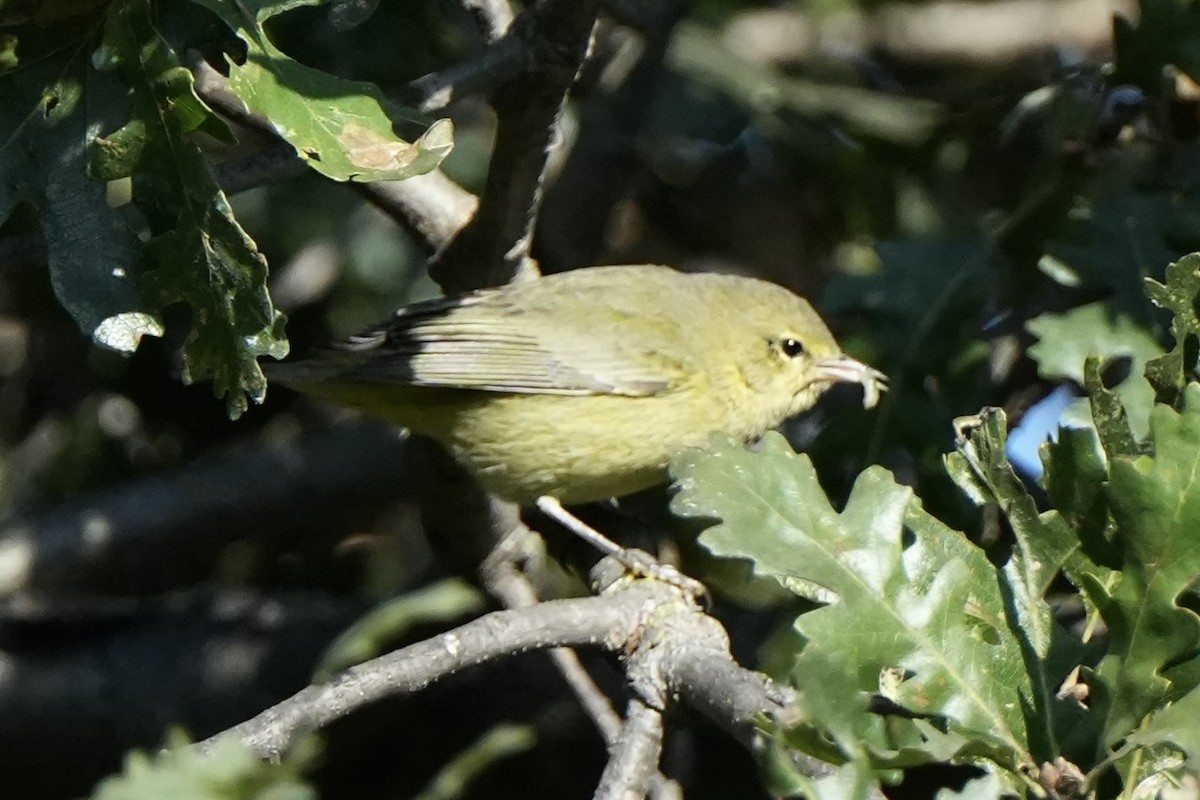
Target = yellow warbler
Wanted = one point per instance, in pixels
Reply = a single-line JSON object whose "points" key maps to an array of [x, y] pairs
{"points": [[582, 385]]}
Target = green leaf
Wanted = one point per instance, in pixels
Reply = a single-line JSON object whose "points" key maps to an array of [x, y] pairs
{"points": [[370, 635], [503, 741], [1066, 340], [1045, 542], [342, 128], [1074, 480], [1169, 373], [201, 256], [47, 118], [1175, 725], [913, 598], [230, 772], [836, 726], [1108, 414], [991, 786], [1155, 501], [851, 781]]}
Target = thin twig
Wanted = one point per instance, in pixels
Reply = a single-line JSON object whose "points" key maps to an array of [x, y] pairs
{"points": [[594, 621], [646, 613], [504, 580], [431, 205], [633, 758], [604, 161], [500, 62]]}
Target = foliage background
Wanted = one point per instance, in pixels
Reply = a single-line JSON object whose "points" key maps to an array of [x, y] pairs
{"points": [[974, 204]]}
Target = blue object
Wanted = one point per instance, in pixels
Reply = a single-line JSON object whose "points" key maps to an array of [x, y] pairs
{"points": [[1041, 422]]}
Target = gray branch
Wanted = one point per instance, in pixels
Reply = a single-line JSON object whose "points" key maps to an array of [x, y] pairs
{"points": [[168, 528], [502, 61], [687, 652], [633, 757], [494, 247], [606, 622]]}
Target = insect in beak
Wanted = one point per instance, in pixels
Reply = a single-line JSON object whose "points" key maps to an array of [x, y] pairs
{"points": [[844, 369]]}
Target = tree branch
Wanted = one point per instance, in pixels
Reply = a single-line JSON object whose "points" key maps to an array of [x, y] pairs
{"points": [[504, 580], [641, 615], [167, 529], [594, 621], [494, 247], [633, 757], [501, 61]]}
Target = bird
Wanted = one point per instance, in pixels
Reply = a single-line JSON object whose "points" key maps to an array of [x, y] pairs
{"points": [[582, 385]]}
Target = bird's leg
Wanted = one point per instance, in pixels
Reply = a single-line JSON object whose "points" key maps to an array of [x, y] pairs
{"points": [[636, 562]]}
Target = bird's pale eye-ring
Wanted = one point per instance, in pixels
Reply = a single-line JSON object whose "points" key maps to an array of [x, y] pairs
{"points": [[791, 347]]}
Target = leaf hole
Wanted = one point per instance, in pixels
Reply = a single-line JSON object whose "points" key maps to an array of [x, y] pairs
{"points": [[1189, 598], [1191, 352], [1115, 371]]}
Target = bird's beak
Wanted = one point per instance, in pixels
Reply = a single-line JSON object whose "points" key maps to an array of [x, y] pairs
{"points": [[846, 370]]}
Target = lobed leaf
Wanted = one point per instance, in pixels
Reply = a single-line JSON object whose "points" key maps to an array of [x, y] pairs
{"points": [[1108, 414], [913, 598], [342, 128], [201, 256], [1170, 372], [1153, 636], [1066, 340], [230, 772], [1173, 725], [47, 119], [1074, 479], [1044, 544]]}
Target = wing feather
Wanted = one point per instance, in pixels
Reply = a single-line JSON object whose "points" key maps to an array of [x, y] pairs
{"points": [[484, 342]]}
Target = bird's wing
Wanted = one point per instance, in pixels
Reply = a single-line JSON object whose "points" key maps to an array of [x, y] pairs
{"points": [[485, 342]]}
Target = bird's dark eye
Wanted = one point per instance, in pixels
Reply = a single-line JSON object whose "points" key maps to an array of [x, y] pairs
{"points": [[791, 347]]}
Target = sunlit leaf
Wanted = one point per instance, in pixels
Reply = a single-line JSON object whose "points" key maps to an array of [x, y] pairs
{"points": [[912, 596], [200, 254], [230, 772], [1155, 501], [1170, 372], [344, 129], [1066, 340]]}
